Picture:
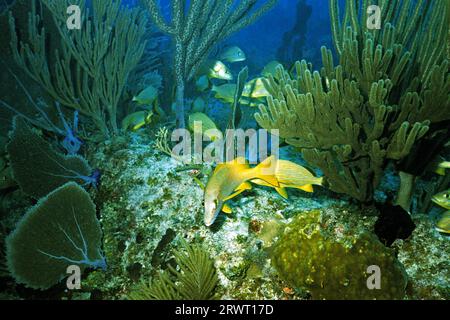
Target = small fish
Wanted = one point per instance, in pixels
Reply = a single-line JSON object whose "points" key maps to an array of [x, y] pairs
{"points": [[442, 167], [255, 89], [271, 69], [233, 54], [291, 175], [443, 224], [136, 120], [442, 199], [215, 69], [206, 125], [229, 180], [226, 93], [202, 83], [250, 102], [146, 96]]}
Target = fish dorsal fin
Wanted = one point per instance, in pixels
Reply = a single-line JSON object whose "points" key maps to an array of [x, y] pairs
{"points": [[283, 192], [238, 163], [307, 188], [227, 209]]}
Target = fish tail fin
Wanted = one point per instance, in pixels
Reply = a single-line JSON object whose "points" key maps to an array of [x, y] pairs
{"points": [[321, 181], [440, 171]]}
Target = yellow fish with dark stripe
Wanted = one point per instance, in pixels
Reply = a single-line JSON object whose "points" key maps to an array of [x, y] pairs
{"points": [[443, 199], [229, 180], [291, 175]]}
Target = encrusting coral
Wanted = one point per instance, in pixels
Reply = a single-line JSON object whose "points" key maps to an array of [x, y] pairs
{"points": [[91, 69], [390, 85], [196, 27], [61, 230], [309, 256]]}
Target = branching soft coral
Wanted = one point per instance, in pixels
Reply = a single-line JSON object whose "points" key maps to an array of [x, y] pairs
{"points": [[376, 104], [90, 71]]}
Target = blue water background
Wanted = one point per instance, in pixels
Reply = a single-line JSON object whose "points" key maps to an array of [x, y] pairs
{"points": [[262, 40]]}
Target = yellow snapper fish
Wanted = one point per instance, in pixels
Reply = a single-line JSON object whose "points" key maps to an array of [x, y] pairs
{"points": [[271, 69], [226, 93], [207, 124], [443, 224], [291, 175], [442, 199], [229, 180], [215, 69], [136, 120], [146, 96], [232, 54], [255, 89], [442, 166]]}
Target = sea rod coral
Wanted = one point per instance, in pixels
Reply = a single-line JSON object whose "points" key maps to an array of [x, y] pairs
{"points": [[196, 27], [350, 119], [104, 53]]}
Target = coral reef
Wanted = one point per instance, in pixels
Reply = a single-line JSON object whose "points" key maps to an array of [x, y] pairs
{"points": [[195, 279], [425, 259], [38, 168], [105, 52], [351, 119], [309, 256], [10, 92], [196, 27], [148, 205], [61, 230]]}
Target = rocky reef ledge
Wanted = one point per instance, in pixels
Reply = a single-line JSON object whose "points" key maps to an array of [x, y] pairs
{"points": [[146, 207]]}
